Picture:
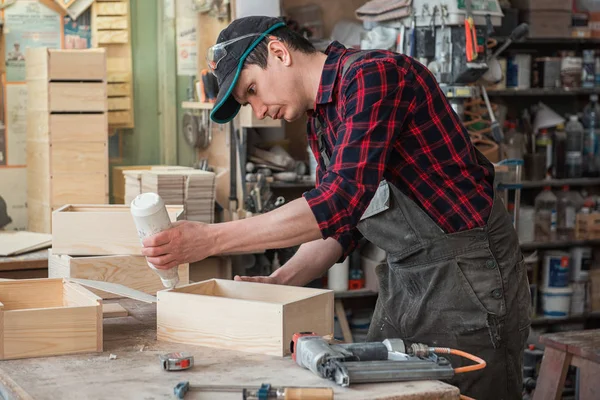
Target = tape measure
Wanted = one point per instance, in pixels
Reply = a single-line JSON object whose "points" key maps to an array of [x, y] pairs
{"points": [[176, 361]]}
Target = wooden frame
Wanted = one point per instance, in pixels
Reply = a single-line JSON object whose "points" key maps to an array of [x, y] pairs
{"points": [[244, 316], [97, 230], [130, 271], [48, 317]]}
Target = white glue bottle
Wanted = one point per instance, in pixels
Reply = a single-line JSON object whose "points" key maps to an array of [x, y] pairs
{"points": [[151, 217]]}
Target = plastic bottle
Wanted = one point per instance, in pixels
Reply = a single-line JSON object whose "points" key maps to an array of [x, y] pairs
{"points": [[151, 217], [560, 152], [591, 123], [545, 215], [574, 156], [543, 145], [566, 214]]}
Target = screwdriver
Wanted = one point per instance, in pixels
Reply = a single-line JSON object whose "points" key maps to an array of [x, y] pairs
{"points": [[263, 393]]}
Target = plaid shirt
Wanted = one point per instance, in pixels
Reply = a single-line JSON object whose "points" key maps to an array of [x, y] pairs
{"points": [[387, 118]]}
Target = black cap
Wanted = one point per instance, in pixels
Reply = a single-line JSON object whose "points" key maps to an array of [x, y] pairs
{"points": [[230, 67]]}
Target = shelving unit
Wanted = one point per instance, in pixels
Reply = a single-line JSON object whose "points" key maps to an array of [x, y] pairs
{"points": [[558, 244], [544, 92]]}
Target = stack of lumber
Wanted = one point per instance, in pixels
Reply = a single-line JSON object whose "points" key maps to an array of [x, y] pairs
{"points": [[195, 189], [133, 179]]}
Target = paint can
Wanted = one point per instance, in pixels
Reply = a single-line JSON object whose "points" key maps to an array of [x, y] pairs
{"points": [[588, 70], [556, 302], [578, 301], [518, 71], [570, 71], [580, 263], [556, 269], [546, 72]]}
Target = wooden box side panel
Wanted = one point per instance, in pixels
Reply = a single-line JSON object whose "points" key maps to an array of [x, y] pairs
{"points": [[75, 295], [79, 128], [77, 188], [279, 294], [81, 65], [314, 314], [49, 332], [97, 230], [31, 293], [221, 323], [73, 97]]}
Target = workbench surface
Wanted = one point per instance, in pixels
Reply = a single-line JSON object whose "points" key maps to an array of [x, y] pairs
{"points": [[136, 372]]}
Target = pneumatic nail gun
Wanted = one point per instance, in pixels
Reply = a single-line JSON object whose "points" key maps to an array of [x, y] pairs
{"points": [[387, 361]]}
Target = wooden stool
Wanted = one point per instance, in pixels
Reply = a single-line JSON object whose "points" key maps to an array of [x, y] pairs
{"points": [[580, 349]]}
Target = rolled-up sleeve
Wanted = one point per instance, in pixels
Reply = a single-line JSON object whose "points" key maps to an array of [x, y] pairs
{"points": [[375, 102]]}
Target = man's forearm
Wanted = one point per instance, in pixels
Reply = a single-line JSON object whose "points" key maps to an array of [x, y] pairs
{"points": [[289, 225], [310, 261]]}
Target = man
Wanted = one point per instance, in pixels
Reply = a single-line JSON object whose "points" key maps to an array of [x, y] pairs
{"points": [[395, 166]]}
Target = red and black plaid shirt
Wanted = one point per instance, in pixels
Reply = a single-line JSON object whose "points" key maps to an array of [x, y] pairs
{"points": [[387, 118]]}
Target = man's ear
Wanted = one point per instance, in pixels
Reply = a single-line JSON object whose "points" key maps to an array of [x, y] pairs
{"points": [[279, 50]]}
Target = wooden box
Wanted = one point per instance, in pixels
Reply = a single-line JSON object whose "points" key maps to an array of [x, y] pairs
{"points": [[243, 316], [130, 271], [67, 131], [48, 317], [98, 230]]}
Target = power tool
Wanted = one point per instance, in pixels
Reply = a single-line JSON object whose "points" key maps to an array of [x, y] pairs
{"points": [[388, 361]]}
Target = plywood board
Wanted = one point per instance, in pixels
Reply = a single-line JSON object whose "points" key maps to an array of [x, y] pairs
{"points": [[113, 310], [13, 243], [77, 65], [244, 316]]}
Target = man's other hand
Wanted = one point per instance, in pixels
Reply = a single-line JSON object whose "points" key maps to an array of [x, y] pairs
{"points": [[259, 279]]}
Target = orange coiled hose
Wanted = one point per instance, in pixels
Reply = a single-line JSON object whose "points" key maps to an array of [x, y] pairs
{"points": [[445, 350]]}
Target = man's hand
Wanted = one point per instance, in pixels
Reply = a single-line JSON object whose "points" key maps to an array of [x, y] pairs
{"points": [[186, 242], [259, 279]]}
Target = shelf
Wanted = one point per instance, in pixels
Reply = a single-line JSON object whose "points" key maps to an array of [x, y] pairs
{"points": [[544, 92], [292, 185], [195, 105], [565, 320], [354, 293], [558, 245], [561, 182], [551, 41]]}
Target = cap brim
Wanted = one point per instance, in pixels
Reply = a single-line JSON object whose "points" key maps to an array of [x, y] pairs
{"points": [[226, 107]]}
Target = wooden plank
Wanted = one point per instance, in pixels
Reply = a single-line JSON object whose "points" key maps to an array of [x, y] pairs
{"points": [[112, 37], [111, 8], [37, 95], [589, 385], [49, 332], [74, 97], [119, 103], [75, 295], [38, 128], [78, 188], [116, 118], [13, 243], [131, 271], [79, 127], [113, 310], [80, 157], [79, 65], [118, 89], [118, 77], [214, 313], [98, 230], [120, 22], [34, 260], [118, 61], [552, 375]]}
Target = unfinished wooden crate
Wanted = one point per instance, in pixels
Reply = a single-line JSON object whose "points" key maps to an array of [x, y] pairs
{"points": [[98, 230], [48, 317], [111, 30], [130, 271], [244, 316], [67, 131]]}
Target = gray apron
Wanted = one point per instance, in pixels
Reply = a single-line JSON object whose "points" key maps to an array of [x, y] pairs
{"points": [[466, 290]]}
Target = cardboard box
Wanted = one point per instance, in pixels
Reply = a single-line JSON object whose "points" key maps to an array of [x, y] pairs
{"points": [[548, 24], [538, 5], [97, 230], [243, 316], [130, 271], [48, 317]]}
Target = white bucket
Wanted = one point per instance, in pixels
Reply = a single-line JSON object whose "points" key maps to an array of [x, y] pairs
{"points": [[556, 302], [337, 276]]}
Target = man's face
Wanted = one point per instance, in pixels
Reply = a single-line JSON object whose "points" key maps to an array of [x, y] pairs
{"points": [[274, 91]]}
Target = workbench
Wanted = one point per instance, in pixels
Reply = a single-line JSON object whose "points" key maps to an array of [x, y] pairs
{"points": [[136, 372]]}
